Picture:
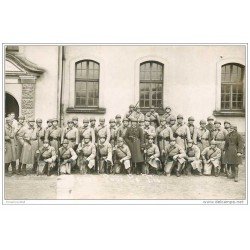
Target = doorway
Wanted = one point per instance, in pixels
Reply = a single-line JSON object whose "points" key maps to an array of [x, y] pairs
{"points": [[11, 105]]}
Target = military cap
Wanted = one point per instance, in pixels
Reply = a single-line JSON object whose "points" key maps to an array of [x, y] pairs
{"points": [[147, 118], [21, 118], [125, 119], [152, 107], [191, 118], [168, 107], [213, 142], [85, 120], [54, 120], [39, 120], [203, 122], [46, 141], [101, 119], [70, 121], [74, 118], [233, 126], [102, 136], [87, 136], [120, 139], [92, 119], [132, 119], [150, 137], [112, 121], [179, 116], [172, 118], [162, 119], [227, 122], [118, 116], [217, 122], [210, 118], [190, 141], [131, 105], [65, 141], [31, 120], [49, 120]]}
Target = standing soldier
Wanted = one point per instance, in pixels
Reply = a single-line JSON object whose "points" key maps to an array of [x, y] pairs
{"points": [[53, 134], [172, 121], [135, 141], [46, 156], [71, 134], [102, 130], [192, 157], [148, 130], [211, 159], [233, 151], [137, 114], [141, 123], [19, 136], [152, 154], [122, 156], [167, 115], [113, 132], [202, 136], [174, 158], [67, 157], [49, 124], [130, 112], [118, 121], [10, 146], [30, 146], [104, 155], [192, 129], [154, 117], [86, 155], [87, 130], [122, 129], [227, 125], [210, 127], [181, 132], [40, 132], [92, 122]]}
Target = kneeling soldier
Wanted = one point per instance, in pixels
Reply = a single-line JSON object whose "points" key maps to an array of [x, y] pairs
{"points": [[193, 158], [104, 155], [122, 156], [174, 157], [86, 155], [152, 154], [211, 158], [46, 156], [66, 156]]}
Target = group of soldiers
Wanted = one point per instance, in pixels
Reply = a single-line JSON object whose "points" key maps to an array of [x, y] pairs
{"points": [[134, 144]]}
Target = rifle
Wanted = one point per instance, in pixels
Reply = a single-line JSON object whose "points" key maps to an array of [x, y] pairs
{"points": [[136, 104], [37, 168], [97, 159], [59, 162]]}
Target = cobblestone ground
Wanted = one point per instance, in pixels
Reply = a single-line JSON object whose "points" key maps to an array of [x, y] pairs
{"points": [[77, 186]]}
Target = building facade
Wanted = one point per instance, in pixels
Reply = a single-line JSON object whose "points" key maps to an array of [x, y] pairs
{"points": [[103, 80]]}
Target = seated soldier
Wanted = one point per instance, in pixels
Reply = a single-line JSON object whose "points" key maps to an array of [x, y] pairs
{"points": [[211, 158], [46, 156], [152, 162], [122, 156], [86, 155], [67, 157], [104, 156], [174, 158], [193, 158]]}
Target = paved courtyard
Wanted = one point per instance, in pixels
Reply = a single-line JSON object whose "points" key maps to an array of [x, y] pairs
{"points": [[77, 186]]}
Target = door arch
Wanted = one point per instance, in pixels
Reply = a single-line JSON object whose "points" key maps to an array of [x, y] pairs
{"points": [[11, 105]]}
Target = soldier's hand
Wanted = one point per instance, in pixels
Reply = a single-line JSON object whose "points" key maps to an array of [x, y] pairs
{"points": [[37, 152], [121, 161], [239, 154], [175, 157]]}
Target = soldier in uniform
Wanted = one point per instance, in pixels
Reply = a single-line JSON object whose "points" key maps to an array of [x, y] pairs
{"points": [[233, 151], [211, 157], [227, 125], [40, 132], [181, 132], [193, 158], [118, 121], [172, 121], [122, 129], [167, 115], [202, 136], [46, 156], [102, 130], [53, 134], [122, 156], [174, 158], [137, 115], [141, 123], [75, 121], [71, 134], [130, 112], [192, 129], [154, 117], [49, 124], [210, 127], [86, 155], [92, 122], [19, 136], [30, 146], [104, 155], [113, 132], [87, 130], [135, 141], [148, 130], [10, 146], [152, 154], [67, 157]]}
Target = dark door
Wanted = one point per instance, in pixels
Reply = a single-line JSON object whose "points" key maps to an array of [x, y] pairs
{"points": [[11, 105]]}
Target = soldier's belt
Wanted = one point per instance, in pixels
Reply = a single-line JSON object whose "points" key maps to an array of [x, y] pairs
{"points": [[65, 157], [33, 139], [203, 139]]}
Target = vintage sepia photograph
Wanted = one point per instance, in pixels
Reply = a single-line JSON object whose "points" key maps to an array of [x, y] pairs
{"points": [[131, 122]]}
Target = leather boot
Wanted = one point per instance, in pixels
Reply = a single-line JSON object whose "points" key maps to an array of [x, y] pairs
{"points": [[216, 172], [236, 178], [24, 173], [7, 173], [19, 168], [13, 165]]}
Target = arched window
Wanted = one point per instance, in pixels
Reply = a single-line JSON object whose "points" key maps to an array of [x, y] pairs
{"points": [[232, 76], [87, 83], [151, 84]]}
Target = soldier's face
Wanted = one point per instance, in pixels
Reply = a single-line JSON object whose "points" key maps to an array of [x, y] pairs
{"points": [[118, 120], [179, 120], [150, 140], [226, 125], [125, 123], [102, 140], [75, 122], [92, 123], [172, 143], [147, 123], [21, 121], [12, 116], [102, 123], [65, 145], [142, 124], [230, 130], [163, 123], [217, 125], [211, 121], [168, 110], [203, 125], [133, 124], [54, 123], [49, 124], [152, 110], [86, 140], [112, 124], [190, 145], [120, 143], [39, 124], [172, 122], [70, 125], [191, 122], [131, 109], [213, 146]]}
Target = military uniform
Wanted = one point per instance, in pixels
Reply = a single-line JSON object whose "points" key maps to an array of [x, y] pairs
{"points": [[193, 130], [72, 135], [86, 155], [167, 116], [193, 159], [19, 136], [148, 131], [137, 116], [87, 131], [121, 131], [202, 138], [53, 134], [113, 132], [219, 135], [103, 130], [154, 118], [104, 155]]}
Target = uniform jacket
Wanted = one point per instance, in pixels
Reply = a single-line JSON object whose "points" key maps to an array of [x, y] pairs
{"points": [[121, 131], [87, 131], [171, 151], [167, 117], [137, 116], [193, 153], [48, 153], [209, 153], [122, 152], [41, 135], [19, 135], [154, 117], [103, 130], [67, 153], [104, 151], [10, 144], [86, 150], [149, 130], [193, 132], [181, 132]]}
